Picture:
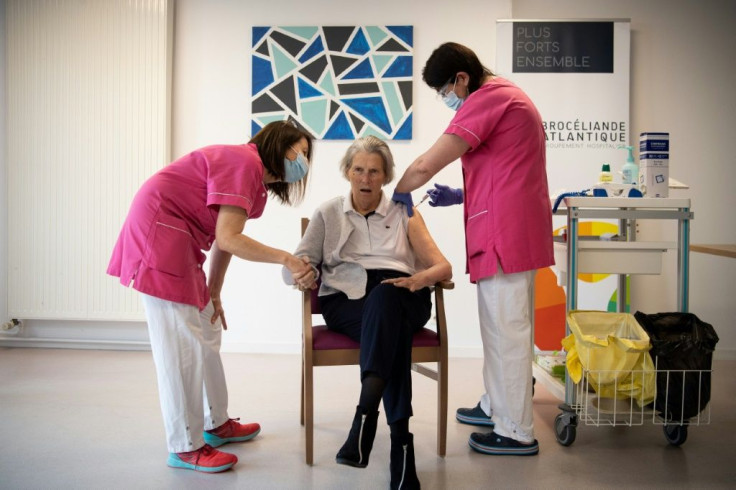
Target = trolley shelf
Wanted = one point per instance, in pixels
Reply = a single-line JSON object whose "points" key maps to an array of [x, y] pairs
{"points": [[614, 257], [553, 385]]}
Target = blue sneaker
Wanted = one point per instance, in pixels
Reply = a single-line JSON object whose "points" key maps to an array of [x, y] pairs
{"points": [[474, 416], [498, 445]]}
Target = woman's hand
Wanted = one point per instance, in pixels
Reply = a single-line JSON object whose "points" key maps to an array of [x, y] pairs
{"points": [[307, 279], [219, 312], [412, 283], [302, 272], [405, 199], [443, 195]]}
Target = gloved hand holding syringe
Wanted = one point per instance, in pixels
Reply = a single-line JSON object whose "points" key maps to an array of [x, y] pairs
{"points": [[443, 195]]}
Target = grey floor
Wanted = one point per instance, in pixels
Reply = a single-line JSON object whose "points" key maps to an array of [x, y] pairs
{"points": [[90, 419]]}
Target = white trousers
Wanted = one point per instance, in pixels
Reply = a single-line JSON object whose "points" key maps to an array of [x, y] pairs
{"points": [[191, 379], [504, 302]]}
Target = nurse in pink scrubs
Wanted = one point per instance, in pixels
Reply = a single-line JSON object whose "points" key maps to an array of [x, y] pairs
{"points": [[197, 203], [497, 134]]}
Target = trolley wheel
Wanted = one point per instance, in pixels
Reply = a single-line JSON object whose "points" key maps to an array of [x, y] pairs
{"points": [[565, 432], [675, 434]]}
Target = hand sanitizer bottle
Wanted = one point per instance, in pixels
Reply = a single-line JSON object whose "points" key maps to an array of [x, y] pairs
{"points": [[605, 175], [630, 169]]}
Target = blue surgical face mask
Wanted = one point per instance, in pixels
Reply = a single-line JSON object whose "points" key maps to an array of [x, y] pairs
{"points": [[295, 170], [451, 99]]}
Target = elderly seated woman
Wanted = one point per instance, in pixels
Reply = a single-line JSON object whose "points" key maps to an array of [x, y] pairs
{"points": [[376, 265]]}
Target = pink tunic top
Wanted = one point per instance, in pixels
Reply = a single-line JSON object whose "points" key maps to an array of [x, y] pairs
{"points": [[172, 220], [508, 218]]}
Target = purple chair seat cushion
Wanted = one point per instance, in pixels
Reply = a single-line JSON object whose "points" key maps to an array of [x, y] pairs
{"points": [[426, 338], [324, 339]]}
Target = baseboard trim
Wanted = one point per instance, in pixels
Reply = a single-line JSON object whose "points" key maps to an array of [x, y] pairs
{"points": [[141, 345], [41, 343]]}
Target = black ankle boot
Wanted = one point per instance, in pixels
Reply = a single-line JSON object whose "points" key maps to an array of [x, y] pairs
{"points": [[403, 470], [358, 447]]}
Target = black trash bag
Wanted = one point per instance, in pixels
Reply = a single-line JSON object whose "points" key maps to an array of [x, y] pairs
{"points": [[681, 342]]}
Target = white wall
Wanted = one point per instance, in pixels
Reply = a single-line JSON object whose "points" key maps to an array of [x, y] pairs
{"points": [[682, 73]]}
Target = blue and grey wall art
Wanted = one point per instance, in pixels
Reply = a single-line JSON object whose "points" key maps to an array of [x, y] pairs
{"points": [[338, 82]]}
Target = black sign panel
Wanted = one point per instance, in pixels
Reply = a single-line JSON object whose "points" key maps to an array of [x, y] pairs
{"points": [[563, 47]]}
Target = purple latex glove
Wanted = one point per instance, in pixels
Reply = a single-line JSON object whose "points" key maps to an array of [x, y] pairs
{"points": [[404, 198], [443, 195]]}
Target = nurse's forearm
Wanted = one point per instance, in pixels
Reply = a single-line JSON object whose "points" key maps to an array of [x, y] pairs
{"points": [[229, 237], [415, 176], [447, 149], [219, 262], [246, 248]]}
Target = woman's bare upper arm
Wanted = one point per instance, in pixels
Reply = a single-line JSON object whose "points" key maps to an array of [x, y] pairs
{"points": [[422, 242]]}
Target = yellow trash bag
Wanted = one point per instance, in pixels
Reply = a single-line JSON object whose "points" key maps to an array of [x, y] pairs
{"points": [[612, 349]]}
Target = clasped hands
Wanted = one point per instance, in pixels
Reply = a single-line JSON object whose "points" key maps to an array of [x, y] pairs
{"points": [[304, 275]]}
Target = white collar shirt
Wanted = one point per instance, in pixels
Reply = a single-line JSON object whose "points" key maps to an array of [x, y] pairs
{"points": [[379, 240]]}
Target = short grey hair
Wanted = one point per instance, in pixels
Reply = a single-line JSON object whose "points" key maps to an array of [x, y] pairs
{"points": [[369, 144]]}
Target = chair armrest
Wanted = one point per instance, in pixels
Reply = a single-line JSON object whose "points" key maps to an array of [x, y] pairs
{"points": [[446, 284]]}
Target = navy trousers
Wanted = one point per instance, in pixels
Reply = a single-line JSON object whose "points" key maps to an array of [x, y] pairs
{"points": [[384, 322]]}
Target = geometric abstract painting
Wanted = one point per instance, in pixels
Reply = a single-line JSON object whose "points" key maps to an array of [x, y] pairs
{"points": [[337, 82]]}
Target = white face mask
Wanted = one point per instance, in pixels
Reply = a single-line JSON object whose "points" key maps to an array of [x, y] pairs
{"points": [[451, 99]]}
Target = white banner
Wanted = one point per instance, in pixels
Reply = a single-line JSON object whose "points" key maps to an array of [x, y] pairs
{"points": [[577, 74]]}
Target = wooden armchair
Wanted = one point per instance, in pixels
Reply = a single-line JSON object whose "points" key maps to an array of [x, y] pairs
{"points": [[321, 347]]}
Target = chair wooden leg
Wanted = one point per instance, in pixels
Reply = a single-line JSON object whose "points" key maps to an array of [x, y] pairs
{"points": [[442, 407], [309, 412], [301, 408]]}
